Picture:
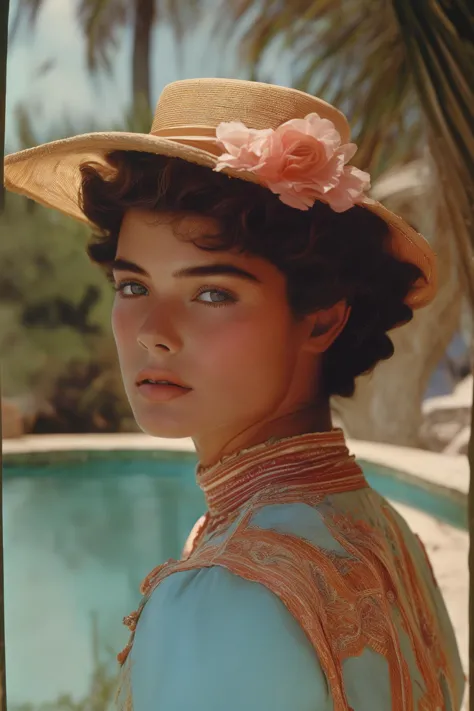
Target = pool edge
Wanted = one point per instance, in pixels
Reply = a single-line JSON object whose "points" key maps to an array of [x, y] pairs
{"points": [[421, 468]]}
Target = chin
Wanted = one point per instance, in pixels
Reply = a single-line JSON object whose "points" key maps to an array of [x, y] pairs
{"points": [[164, 433], [166, 429]]}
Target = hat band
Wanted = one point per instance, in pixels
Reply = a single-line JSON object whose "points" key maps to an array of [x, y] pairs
{"points": [[195, 133]]}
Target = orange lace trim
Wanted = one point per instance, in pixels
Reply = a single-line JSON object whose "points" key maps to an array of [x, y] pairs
{"points": [[343, 603], [398, 578], [123, 696]]}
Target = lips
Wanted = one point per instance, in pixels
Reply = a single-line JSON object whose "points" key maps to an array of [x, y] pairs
{"points": [[152, 376]]}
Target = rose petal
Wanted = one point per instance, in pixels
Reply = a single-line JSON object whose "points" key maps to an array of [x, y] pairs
{"points": [[246, 163], [349, 150], [351, 186], [313, 125], [301, 161], [293, 199], [232, 135]]}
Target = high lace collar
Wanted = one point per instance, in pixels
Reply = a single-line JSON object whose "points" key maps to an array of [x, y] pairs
{"points": [[310, 463]]}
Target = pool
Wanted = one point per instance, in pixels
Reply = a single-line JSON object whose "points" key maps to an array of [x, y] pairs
{"points": [[81, 530]]}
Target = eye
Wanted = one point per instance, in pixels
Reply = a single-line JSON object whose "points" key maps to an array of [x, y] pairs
{"points": [[225, 299], [121, 286]]}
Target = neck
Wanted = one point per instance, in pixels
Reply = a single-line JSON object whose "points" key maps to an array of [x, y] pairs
{"points": [[307, 419]]}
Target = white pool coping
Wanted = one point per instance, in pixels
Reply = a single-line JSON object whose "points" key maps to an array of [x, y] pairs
{"points": [[449, 471]]}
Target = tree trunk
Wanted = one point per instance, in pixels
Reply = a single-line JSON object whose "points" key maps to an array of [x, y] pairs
{"points": [[387, 404], [142, 38]]}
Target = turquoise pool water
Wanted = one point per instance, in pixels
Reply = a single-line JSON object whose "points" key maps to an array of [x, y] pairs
{"points": [[81, 530]]}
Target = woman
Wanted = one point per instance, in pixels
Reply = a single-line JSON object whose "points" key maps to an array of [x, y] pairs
{"points": [[301, 588]]}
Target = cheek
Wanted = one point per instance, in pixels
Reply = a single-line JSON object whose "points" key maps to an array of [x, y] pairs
{"points": [[121, 327], [255, 352]]}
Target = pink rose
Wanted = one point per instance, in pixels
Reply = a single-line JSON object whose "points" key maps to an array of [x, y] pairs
{"points": [[302, 161], [241, 143]]}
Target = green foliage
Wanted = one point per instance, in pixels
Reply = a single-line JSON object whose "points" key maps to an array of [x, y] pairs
{"points": [[98, 698], [56, 346], [55, 335]]}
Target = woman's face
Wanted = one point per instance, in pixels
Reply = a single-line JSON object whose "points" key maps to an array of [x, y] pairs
{"points": [[230, 338]]}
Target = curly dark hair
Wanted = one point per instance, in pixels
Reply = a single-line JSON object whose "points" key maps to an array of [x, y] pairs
{"points": [[325, 256]]}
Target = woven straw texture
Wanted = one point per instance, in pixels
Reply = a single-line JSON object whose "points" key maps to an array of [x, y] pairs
{"points": [[184, 125]]}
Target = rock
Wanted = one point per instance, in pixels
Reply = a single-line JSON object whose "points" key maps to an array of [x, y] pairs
{"points": [[459, 399], [31, 406], [447, 419], [12, 420], [460, 443]]}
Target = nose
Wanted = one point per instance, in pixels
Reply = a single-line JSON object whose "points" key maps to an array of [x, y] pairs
{"points": [[158, 332]]}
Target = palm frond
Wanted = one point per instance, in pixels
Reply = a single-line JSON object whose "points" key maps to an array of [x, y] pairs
{"points": [[25, 123], [180, 15], [44, 68], [439, 43], [347, 53], [27, 13], [100, 22]]}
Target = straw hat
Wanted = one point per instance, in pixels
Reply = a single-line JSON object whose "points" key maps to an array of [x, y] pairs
{"points": [[187, 116]]}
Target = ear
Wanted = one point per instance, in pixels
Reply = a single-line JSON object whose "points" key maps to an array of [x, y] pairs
{"points": [[327, 324]]}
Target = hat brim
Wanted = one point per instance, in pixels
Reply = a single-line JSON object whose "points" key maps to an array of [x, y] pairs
{"points": [[49, 174]]}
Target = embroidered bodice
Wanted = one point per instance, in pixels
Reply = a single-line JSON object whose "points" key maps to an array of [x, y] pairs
{"points": [[301, 584]]}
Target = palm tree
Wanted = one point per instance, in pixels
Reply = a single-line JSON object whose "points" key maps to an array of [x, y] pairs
{"points": [[403, 71], [102, 21]]}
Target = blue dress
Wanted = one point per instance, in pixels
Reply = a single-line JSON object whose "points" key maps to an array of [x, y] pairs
{"points": [[209, 639]]}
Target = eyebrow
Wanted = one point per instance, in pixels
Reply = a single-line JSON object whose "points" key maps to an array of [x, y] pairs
{"points": [[218, 268]]}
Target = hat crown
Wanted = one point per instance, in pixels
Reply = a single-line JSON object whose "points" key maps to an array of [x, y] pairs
{"points": [[208, 102]]}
